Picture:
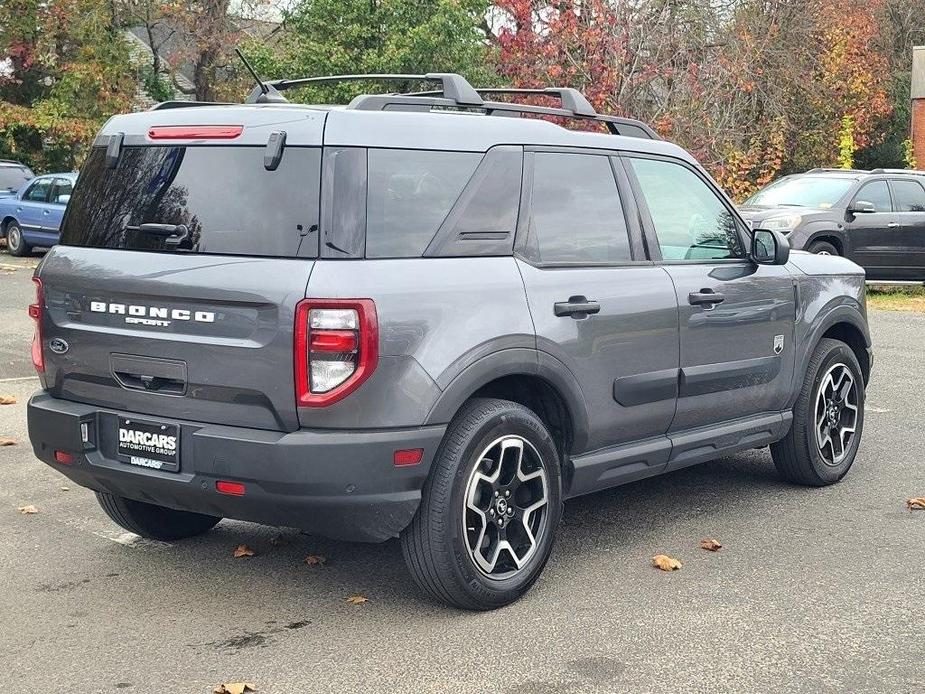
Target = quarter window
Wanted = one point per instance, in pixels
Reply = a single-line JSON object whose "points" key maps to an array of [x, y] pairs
{"points": [[910, 196], [410, 194], [878, 193], [576, 213], [690, 220]]}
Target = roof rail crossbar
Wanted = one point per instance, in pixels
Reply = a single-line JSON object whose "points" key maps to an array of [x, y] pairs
{"points": [[453, 86], [572, 99], [425, 101]]}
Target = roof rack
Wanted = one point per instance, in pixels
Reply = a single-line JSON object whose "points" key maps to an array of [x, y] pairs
{"points": [[455, 92], [911, 172]]}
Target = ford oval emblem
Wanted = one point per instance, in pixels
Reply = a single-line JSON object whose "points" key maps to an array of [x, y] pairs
{"points": [[57, 345]]}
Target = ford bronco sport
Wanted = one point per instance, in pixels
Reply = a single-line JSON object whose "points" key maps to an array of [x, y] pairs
{"points": [[429, 316]]}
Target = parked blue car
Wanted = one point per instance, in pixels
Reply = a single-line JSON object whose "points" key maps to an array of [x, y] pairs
{"points": [[32, 217]]}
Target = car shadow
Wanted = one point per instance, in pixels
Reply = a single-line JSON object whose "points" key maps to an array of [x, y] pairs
{"points": [[286, 588]]}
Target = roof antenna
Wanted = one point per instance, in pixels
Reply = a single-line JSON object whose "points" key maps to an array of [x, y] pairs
{"points": [[263, 93]]}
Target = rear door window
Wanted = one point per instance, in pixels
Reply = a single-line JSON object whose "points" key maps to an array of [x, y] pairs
{"points": [[225, 197], [576, 215], [910, 196], [410, 194]]}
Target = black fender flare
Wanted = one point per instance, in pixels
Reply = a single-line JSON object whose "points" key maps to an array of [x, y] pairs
{"points": [[841, 313], [515, 362]]}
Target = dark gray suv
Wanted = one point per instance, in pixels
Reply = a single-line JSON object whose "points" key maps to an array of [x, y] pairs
{"points": [[875, 218], [429, 316]]}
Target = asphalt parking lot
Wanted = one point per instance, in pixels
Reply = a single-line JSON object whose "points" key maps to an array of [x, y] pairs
{"points": [[813, 591]]}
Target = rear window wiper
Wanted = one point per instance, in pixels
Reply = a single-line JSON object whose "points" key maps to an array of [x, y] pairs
{"points": [[173, 234]]}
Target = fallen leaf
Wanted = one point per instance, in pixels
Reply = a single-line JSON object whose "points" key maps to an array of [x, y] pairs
{"points": [[316, 559], [279, 541], [917, 504], [7, 441], [243, 551], [711, 545], [665, 563], [7, 399], [357, 599], [234, 688], [27, 510], [65, 489]]}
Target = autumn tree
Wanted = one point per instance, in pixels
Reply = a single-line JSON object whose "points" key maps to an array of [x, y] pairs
{"points": [[67, 73]]}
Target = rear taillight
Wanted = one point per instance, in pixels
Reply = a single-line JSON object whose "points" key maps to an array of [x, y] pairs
{"points": [[36, 311], [336, 348]]}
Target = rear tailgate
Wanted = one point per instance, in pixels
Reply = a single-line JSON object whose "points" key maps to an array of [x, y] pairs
{"points": [[201, 328], [203, 338]]}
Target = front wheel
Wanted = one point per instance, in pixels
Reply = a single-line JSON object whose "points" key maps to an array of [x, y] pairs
{"points": [[828, 419], [15, 243], [823, 248], [489, 510]]}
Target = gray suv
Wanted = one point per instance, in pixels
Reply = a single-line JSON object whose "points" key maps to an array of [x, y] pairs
{"points": [[429, 316], [875, 218]]}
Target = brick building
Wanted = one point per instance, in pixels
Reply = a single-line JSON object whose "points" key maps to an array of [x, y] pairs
{"points": [[918, 105]]}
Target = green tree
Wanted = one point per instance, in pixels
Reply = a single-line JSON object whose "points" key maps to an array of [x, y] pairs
{"points": [[324, 37]]}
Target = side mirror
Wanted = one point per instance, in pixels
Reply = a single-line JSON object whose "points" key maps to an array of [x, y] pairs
{"points": [[770, 247], [863, 207], [63, 199]]}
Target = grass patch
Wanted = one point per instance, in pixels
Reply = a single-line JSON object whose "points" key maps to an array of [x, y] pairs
{"points": [[887, 298]]}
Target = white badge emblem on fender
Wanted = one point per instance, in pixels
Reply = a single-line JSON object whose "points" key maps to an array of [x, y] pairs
{"points": [[778, 344]]}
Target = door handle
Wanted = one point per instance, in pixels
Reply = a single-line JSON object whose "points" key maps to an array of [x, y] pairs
{"points": [[45, 212], [576, 307], [705, 297], [892, 225]]}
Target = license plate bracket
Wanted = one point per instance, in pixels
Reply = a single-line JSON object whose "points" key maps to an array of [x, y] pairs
{"points": [[153, 445]]}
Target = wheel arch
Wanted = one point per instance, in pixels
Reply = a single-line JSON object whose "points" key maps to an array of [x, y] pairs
{"points": [[5, 222], [534, 379], [829, 236], [844, 323]]}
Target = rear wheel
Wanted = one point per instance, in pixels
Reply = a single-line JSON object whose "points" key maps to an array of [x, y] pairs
{"points": [[489, 510], [828, 419], [154, 522], [823, 248], [15, 243]]}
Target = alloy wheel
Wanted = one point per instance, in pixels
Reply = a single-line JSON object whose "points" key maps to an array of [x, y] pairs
{"points": [[13, 238], [836, 414], [506, 507]]}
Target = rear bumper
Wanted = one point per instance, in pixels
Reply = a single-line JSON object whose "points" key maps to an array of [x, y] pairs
{"points": [[339, 484]]}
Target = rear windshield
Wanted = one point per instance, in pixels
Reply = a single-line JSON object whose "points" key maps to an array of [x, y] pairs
{"points": [[226, 199], [12, 177]]}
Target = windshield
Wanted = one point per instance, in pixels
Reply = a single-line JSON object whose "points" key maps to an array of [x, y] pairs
{"points": [[12, 177], [802, 191], [223, 197]]}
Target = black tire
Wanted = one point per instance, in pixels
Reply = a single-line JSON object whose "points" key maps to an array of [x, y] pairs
{"points": [[823, 247], [15, 243], [435, 545], [798, 457], [154, 522]]}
